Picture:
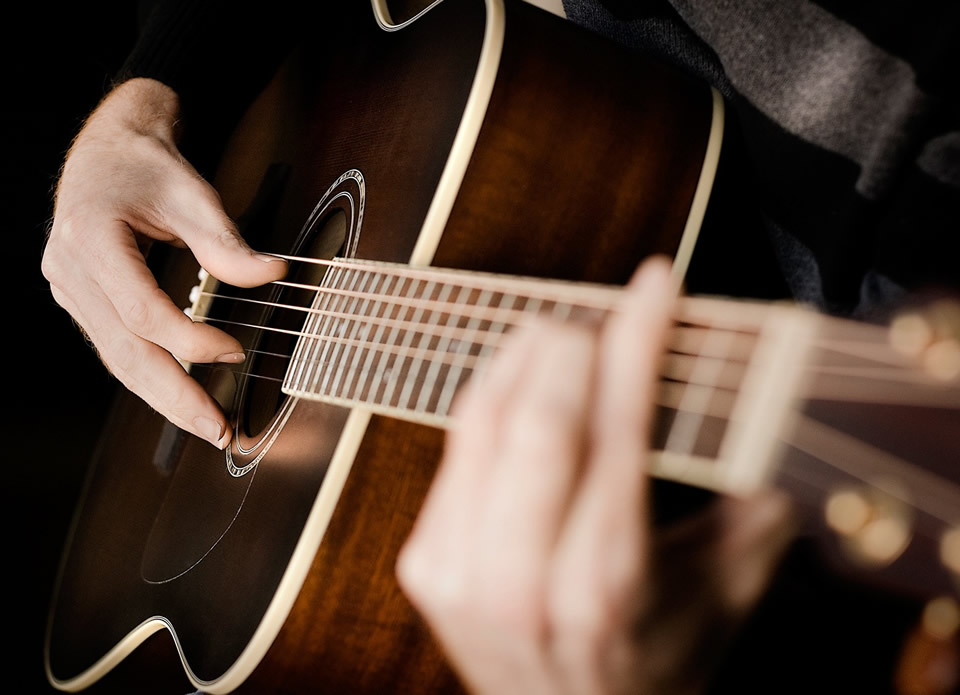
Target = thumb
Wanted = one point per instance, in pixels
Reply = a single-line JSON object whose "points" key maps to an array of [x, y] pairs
{"points": [[200, 221]]}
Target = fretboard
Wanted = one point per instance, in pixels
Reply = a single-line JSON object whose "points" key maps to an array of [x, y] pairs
{"points": [[401, 341]]}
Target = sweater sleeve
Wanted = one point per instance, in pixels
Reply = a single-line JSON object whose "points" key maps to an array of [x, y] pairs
{"points": [[217, 56]]}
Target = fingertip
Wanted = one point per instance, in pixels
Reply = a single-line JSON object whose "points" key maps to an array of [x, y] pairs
{"points": [[216, 432], [269, 258]]}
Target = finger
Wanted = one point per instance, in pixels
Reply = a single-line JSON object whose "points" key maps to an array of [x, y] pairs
{"points": [[149, 313], [598, 565], [193, 212], [523, 503], [443, 533], [148, 370], [540, 451]]}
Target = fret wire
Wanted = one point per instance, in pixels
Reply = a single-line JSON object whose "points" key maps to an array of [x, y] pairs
{"points": [[669, 394], [594, 295], [694, 310], [561, 311], [312, 356], [295, 368], [685, 429], [357, 308], [491, 340], [366, 306], [469, 362], [427, 389], [721, 373], [335, 331], [401, 301], [684, 339], [320, 327], [453, 332], [304, 372], [737, 315], [691, 340], [379, 308], [867, 392], [396, 339], [457, 366], [834, 449], [402, 369], [416, 364]]}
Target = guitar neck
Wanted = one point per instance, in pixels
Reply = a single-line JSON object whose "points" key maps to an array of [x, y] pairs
{"points": [[736, 386], [401, 341]]}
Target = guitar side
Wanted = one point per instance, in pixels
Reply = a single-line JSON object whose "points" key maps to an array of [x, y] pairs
{"points": [[465, 125]]}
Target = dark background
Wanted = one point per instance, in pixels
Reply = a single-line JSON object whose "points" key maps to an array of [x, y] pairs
{"points": [[58, 60]]}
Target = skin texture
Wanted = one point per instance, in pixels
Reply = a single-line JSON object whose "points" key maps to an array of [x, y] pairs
{"points": [[533, 560], [125, 186]]}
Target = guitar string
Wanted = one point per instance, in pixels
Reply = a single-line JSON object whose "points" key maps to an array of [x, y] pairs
{"points": [[844, 452], [901, 373], [836, 450], [842, 345], [868, 387], [578, 294], [677, 362], [852, 468], [695, 334], [605, 298], [670, 393]]}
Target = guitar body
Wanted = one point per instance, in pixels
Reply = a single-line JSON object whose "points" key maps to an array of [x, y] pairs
{"points": [[272, 567]]}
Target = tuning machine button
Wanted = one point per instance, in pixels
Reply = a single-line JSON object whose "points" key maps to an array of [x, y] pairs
{"points": [[874, 526], [950, 550], [931, 336]]}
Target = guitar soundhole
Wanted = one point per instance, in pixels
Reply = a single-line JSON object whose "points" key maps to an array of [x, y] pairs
{"points": [[192, 521], [263, 397]]}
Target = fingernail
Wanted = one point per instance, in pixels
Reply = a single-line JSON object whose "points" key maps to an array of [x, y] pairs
{"points": [[267, 258], [209, 430], [231, 357]]}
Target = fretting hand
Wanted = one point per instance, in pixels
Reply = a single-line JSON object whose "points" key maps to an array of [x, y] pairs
{"points": [[125, 185], [532, 559]]}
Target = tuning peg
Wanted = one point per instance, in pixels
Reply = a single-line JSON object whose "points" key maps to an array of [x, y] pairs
{"points": [[950, 550], [874, 527], [931, 335], [941, 618]]}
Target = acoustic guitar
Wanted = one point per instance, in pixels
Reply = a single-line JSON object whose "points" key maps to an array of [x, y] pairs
{"points": [[442, 178]]}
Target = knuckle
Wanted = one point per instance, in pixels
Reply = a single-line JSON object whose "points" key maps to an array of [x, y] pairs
{"points": [[414, 571], [176, 396], [69, 231], [583, 617], [189, 345], [136, 313], [433, 584], [511, 606], [50, 266], [541, 425], [122, 353]]}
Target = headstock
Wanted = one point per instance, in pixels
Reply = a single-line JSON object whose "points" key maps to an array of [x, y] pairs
{"points": [[874, 452]]}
